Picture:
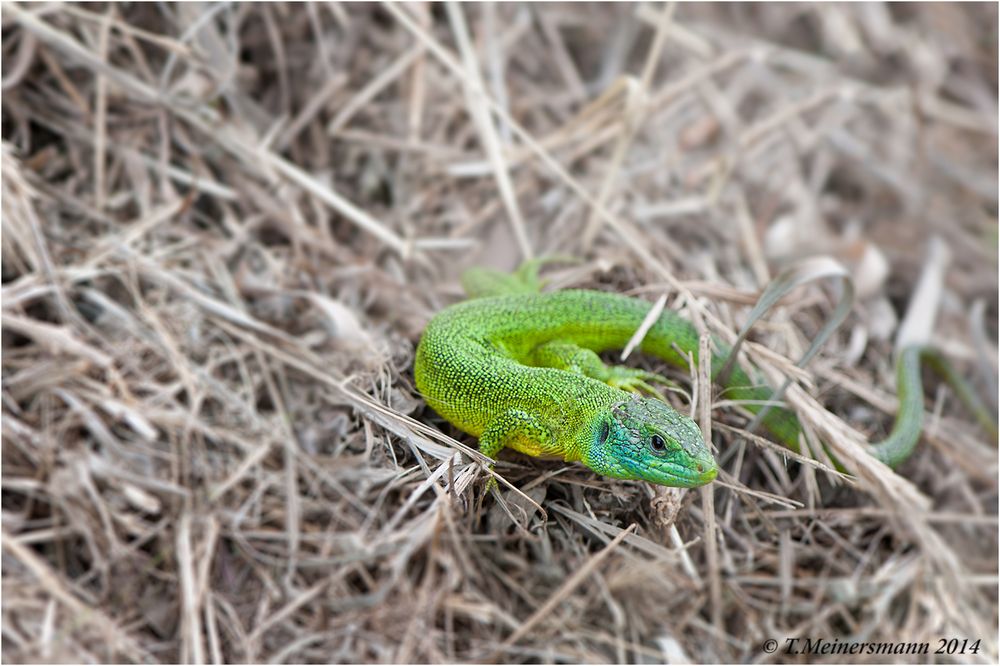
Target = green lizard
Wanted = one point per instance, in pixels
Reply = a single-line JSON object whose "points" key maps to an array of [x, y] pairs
{"points": [[519, 368]]}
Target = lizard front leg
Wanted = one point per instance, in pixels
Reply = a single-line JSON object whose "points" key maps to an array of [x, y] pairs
{"points": [[520, 431]]}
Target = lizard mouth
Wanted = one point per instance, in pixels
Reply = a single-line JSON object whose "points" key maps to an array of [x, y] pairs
{"points": [[689, 474]]}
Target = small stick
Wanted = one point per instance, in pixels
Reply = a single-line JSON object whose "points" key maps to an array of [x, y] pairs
{"points": [[571, 584], [707, 494]]}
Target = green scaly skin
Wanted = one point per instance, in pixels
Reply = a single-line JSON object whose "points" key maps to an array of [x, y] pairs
{"points": [[477, 366], [520, 369]]}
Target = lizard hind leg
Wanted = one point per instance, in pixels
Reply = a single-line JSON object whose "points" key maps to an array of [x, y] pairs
{"points": [[580, 360], [484, 282], [520, 431]]}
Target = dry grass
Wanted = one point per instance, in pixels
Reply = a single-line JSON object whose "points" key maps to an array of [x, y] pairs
{"points": [[224, 227]]}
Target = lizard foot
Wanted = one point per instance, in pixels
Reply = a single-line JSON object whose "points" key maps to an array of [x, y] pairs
{"points": [[491, 484], [483, 282], [636, 381]]}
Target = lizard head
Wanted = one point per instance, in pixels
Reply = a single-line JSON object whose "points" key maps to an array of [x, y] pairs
{"points": [[643, 438]]}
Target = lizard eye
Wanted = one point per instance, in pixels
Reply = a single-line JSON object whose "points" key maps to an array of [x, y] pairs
{"points": [[657, 444]]}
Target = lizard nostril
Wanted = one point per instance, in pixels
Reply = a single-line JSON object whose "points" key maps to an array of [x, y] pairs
{"points": [[701, 468]]}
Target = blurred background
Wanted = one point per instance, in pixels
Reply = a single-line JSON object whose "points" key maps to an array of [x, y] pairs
{"points": [[225, 225]]}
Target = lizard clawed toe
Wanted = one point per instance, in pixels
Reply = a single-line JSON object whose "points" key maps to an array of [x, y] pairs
{"points": [[637, 381]]}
